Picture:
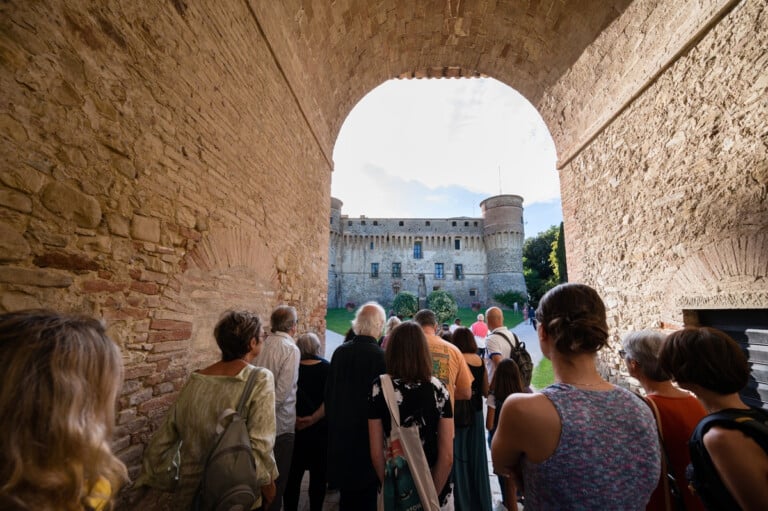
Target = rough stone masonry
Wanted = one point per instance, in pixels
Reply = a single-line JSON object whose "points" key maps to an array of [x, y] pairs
{"points": [[164, 161]]}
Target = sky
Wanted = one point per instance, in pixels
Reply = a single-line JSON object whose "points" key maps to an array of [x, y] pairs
{"points": [[437, 148]]}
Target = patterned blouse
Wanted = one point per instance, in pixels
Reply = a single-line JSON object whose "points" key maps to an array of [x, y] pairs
{"points": [[420, 403], [608, 456], [192, 420]]}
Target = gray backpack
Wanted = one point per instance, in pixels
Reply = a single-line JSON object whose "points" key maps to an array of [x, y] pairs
{"points": [[229, 479]]}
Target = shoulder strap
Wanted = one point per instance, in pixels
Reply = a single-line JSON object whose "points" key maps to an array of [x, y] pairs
{"points": [[389, 396], [517, 341], [249, 384], [668, 479]]}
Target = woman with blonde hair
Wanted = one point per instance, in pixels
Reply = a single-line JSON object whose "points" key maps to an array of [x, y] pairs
{"points": [[61, 374], [582, 443]]}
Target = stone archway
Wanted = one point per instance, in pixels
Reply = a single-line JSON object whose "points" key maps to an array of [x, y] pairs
{"points": [[168, 124]]}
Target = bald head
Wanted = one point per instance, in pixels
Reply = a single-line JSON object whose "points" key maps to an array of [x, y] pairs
{"points": [[494, 317], [369, 320]]}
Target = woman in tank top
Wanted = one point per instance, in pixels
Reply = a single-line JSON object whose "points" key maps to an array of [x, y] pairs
{"points": [[582, 443]]}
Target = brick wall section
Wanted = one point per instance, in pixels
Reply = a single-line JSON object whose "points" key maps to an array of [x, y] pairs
{"points": [[151, 153], [668, 208]]}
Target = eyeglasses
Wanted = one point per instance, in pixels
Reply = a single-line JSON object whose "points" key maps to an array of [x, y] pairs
{"points": [[622, 354]]}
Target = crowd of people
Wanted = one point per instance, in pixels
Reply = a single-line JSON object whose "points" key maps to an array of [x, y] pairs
{"points": [[580, 443]]}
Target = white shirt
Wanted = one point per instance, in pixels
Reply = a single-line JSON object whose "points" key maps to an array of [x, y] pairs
{"points": [[497, 345], [281, 356]]}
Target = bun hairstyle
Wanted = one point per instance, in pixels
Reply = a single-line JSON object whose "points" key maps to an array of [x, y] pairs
{"points": [[573, 316]]}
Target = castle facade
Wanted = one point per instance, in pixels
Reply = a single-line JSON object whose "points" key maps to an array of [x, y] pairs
{"points": [[474, 259]]}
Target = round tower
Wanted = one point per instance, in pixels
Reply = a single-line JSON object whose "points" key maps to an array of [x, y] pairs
{"points": [[335, 251], [503, 236]]}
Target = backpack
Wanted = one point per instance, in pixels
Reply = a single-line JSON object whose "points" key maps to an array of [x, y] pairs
{"points": [[229, 480], [701, 473], [522, 358]]}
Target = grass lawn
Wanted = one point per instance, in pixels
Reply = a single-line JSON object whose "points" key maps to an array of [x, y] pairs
{"points": [[542, 374], [339, 320]]}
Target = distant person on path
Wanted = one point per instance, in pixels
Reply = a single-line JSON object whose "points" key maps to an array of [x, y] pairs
{"points": [[354, 366], [480, 331], [732, 473], [456, 324], [310, 452], [532, 316], [582, 443], [448, 365], [678, 410], [281, 356], [61, 377]]}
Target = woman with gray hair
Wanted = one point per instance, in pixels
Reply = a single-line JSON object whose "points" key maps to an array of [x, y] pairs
{"points": [[677, 412], [310, 450]]}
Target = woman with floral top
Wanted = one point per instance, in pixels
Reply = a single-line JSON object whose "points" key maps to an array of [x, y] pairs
{"points": [[422, 399]]}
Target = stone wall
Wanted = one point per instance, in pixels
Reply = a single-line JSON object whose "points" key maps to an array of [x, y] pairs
{"points": [[667, 209], [151, 154]]}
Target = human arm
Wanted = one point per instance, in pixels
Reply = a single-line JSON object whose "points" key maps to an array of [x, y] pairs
{"points": [[442, 468], [262, 428], [490, 417], [741, 464], [160, 464], [305, 422], [376, 445], [463, 383], [485, 387]]}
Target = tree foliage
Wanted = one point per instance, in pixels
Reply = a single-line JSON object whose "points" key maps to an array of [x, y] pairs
{"points": [[405, 304], [443, 305], [508, 298], [544, 264]]}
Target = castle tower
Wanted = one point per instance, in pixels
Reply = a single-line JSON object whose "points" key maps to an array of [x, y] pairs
{"points": [[503, 236], [335, 255]]}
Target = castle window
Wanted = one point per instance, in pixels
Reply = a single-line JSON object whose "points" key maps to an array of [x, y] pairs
{"points": [[396, 271], [362, 222], [439, 271], [371, 245], [473, 292], [401, 223], [427, 223], [475, 224], [374, 270], [417, 250], [453, 224], [457, 244], [466, 224], [375, 222], [458, 271], [331, 220], [349, 223], [435, 288]]}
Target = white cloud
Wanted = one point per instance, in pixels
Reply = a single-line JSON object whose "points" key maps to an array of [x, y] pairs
{"points": [[447, 143]]}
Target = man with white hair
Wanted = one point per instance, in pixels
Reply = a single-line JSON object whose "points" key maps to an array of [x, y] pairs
{"points": [[480, 331], [353, 367]]}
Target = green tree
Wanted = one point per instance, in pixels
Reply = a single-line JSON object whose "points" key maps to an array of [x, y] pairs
{"points": [[537, 269], [443, 305], [405, 304], [557, 257]]}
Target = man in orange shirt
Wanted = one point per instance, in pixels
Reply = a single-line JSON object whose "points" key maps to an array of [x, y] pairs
{"points": [[448, 364]]}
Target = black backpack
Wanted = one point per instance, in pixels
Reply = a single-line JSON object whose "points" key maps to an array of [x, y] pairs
{"points": [[522, 358], [229, 478], [701, 472]]}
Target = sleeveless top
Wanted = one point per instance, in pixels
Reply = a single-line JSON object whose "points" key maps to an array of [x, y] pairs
{"points": [[608, 456]]}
